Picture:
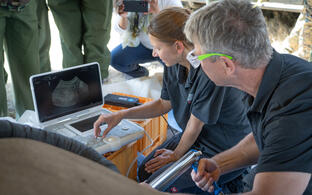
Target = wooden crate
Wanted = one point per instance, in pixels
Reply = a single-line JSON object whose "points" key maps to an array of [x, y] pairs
{"points": [[123, 159], [156, 129]]}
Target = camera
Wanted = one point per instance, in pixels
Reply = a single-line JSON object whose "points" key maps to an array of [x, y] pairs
{"points": [[135, 6]]}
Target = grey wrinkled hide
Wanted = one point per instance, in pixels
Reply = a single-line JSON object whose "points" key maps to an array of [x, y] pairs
{"points": [[9, 129]]}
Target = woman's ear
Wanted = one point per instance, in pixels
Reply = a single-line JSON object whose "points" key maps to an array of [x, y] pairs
{"points": [[179, 46]]}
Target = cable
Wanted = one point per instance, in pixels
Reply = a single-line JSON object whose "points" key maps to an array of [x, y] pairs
{"points": [[172, 131], [132, 163], [152, 142]]}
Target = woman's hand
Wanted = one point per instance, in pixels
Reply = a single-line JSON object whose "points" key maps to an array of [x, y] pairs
{"points": [[161, 158], [111, 120]]}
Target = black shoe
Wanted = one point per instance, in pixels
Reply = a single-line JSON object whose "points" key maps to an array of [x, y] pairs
{"points": [[139, 72]]}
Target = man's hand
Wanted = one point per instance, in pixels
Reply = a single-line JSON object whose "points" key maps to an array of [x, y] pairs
{"points": [[110, 119], [207, 172], [161, 158]]}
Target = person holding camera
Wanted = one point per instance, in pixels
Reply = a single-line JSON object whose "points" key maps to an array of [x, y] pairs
{"points": [[132, 27]]}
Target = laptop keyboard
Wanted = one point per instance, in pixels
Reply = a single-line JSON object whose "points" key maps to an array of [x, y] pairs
{"points": [[124, 133]]}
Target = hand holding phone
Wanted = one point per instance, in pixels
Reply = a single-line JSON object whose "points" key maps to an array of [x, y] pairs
{"points": [[120, 9], [135, 6], [154, 9]]}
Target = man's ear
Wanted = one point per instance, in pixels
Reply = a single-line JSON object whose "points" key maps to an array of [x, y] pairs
{"points": [[179, 46], [229, 65]]}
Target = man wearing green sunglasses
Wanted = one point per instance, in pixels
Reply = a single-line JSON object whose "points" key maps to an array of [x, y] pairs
{"points": [[279, 101]]}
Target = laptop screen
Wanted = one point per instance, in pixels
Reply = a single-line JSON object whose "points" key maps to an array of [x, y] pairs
{"points": [[70, 90]]}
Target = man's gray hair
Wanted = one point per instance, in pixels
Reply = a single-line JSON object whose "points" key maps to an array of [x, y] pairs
{"points": [[232, 27]]}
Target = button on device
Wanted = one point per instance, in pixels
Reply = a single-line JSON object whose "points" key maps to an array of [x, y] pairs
{"points": [[125, 128], [111, 139]]}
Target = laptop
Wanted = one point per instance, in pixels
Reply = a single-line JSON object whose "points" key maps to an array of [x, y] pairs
{"points": [[69, 101]]}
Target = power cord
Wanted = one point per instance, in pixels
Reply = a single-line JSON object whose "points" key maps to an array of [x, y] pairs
{"points": [[132, 163], [172, 131], [152, 142]]}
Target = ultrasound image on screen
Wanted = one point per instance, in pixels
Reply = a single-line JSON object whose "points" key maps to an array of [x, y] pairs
{"points": [[68, 91]]}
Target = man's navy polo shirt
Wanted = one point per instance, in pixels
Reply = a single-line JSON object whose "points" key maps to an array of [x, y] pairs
{"points": [[281, 116], [220, 108]]}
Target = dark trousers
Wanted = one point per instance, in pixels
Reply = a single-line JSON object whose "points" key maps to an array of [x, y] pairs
{"points": [[19, 36], [84, 27], [44, 36], [128, 59]]}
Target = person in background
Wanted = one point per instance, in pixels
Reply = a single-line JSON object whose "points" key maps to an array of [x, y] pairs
{"points": [[135, 48], [213, 118], [19, 36], [44, 35], [84, 27], [279, 101]]}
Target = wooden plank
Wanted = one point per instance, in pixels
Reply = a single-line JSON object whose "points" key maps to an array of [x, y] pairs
{"points": [[281, 7], [293, 6]]}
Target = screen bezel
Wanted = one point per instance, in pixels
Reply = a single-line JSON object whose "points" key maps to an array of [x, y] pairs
{"points": [[42, 119]]}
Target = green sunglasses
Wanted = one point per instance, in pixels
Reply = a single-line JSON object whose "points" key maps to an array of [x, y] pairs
{"points": [[208, 55], [195, 60]]}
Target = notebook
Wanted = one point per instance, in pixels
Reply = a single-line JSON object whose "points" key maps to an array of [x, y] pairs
{"points": [[70, 101]]}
